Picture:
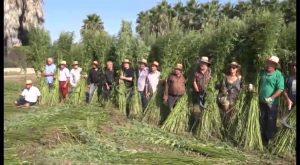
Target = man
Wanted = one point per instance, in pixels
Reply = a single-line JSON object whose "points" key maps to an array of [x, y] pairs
{"points": [[49, 72], [142, 76], [93, 80], [271, 85], [201, 79], [290, 87], [152, 80], [75, 74], [127, 77], [174, 87], [109, 78], [63, 78], [29, 96]]}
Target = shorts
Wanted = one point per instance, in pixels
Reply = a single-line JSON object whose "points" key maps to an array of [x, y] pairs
{"points": [[22, 101], [63, 90]]}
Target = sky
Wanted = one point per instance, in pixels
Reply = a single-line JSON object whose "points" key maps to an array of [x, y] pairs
{"points": [[68, 15]]}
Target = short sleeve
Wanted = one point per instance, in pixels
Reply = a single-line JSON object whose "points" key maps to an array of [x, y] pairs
{"points": [[280, 82], [38, 93]]}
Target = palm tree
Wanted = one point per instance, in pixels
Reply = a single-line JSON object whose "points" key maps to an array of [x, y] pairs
{"points": [[92, 22]]}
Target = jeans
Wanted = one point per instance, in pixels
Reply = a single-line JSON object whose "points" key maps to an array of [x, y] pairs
{"points": [[268, 118], [172, 101], [144, 100], [92, 89]]}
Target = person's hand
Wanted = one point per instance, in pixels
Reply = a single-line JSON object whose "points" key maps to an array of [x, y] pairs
{"points": [[88, 86], [165, 100], [268, 100], [289, 103], [250, 87], [122, 77], [65, 85]]}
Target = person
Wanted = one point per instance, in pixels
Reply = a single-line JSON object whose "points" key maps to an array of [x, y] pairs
{"points": [[290, 86], [127, 76], [93, 80], [201, 79], [229, 89], [63, 78], [174, 87], [29, 96], [271, 85], [49, 72], [75, 74], [109, 78], [152, 80], [141, 81]]}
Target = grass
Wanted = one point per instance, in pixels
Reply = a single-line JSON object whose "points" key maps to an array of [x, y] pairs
{"points": [[69, 134]]}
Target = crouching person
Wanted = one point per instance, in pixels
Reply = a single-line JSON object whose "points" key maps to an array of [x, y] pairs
{"points": [[29, 96]]}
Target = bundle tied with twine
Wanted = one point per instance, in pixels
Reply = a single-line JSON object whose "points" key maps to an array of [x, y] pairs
{"points": [[177, 121], [210, 120], [285, 139]]}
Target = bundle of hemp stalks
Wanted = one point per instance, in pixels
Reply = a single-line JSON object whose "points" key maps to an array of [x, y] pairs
{"points": [[250, 136], [235, 126], [78, 93], [285, 139], [152, 111], [210, 121], [122, 96], [135, 104], [177, 121]]}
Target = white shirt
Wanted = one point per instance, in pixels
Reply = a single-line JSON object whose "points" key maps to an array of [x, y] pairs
{"points": [[153, 78], [75, 76], [31, 94], [63, 74], [142, 79]]}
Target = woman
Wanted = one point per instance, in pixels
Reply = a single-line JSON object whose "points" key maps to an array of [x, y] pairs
{"points": [[229, 88]]}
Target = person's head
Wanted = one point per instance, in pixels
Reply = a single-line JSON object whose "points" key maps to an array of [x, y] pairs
{"points": [[28, 84], [204, 64], [233, 69], [109, 65], [95, 64], [293, 66], [126, 64], [154, 66], [49, 61], [75, 64], [62, 64], [272, 63], [143, 64], [178, 69]]}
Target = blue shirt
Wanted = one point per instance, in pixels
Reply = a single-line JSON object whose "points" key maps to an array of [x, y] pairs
{"points": [[50, 69]]}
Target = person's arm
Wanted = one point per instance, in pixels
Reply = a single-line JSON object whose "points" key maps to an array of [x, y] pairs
{"points": [[195, 85], [67, 72], [72, 79], [166, 92], [279, 87], [89, 78]]}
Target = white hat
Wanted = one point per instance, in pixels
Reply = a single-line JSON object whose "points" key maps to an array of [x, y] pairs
{"points": [[274, 59], [95, 62], [178, 66], [143, 61], [63, 63], [28, 82], [204, 59]]}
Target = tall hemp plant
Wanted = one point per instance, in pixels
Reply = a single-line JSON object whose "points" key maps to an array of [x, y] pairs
{"points": [[262, 34]]}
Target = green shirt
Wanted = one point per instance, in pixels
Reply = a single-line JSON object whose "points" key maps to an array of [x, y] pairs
{"points": [[269, 83]]}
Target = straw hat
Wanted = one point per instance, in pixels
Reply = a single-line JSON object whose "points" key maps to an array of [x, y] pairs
{"points": [[126, 61], [155, 63], [63, 63], [75, 63], [178, 66], [143, 61], [28, 82], [204, 59], [273, 59], [95, 62], [235, 64]]}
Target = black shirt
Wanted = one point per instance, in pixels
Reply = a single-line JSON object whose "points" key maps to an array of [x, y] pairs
{"points": [[94, 77], [128, 73], [109, 77]]}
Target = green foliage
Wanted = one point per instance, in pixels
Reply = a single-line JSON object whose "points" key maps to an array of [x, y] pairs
{"points": [[39, 44]]}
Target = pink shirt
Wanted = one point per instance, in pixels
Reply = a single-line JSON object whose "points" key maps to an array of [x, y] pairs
{"points": [[64, 74]]}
